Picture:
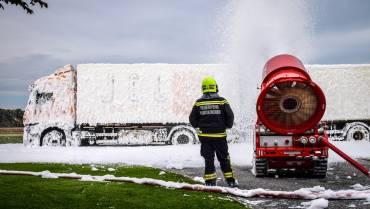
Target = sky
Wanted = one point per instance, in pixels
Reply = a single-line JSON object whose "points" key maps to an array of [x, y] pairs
{"points": [[150, 31]]}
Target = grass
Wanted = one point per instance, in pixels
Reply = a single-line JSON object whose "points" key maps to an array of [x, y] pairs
{"points": [[120, 170], [35, 192], [11, 138], [11, 135]]}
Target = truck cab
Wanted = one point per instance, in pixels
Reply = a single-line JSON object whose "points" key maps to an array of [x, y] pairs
{"points": [[50, 113]]}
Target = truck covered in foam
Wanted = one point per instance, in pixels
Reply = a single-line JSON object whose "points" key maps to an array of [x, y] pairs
{"points": [[116, 104]]}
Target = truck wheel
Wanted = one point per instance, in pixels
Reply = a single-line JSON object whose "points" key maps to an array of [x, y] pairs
{"points": [[84, 142], [53, 137], [260, 167], [358, 132], [320, 167], [182, 136]]}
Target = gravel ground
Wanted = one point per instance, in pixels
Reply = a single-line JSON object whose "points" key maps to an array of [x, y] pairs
{"points": [[340, 176]]}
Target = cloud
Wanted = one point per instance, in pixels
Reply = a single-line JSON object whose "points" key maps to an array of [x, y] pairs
{"points": [[343, 46], [340, 15], [13, 101], [93, 31], [17, 73], [23, 67], [131, 31]]}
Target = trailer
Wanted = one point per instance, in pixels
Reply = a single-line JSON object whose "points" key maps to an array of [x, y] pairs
{"points": [[347, 90], [115, 104], [137, 103]]}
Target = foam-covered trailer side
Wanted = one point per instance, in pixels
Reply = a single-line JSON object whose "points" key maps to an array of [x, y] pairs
{"points": [[347, 90], [149, 101]]}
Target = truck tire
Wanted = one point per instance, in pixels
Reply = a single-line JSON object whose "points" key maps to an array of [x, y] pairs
{"points": [[320, 167], [84, 142], [53, 137], [357, 131], [260, 167], [182, 136]]}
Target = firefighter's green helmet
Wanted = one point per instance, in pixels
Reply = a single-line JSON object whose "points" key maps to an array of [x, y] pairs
{"points": [[209, 85]]}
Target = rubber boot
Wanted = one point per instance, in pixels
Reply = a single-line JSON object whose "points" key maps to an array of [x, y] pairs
{"points": [[210, 182], [231, 182]]}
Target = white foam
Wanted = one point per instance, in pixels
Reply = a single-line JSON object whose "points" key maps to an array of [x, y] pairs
{"points": [[167, 157], [254, 31], [319, 197], [316, 204]]}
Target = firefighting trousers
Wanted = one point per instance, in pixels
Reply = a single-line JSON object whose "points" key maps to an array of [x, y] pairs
{"points": [[211, 146]]}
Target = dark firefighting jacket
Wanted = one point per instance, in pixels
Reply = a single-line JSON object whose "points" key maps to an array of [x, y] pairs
{"points": [[211, 114]]}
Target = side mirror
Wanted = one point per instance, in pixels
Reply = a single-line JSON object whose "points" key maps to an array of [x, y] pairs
{"points": [[31, 87]]}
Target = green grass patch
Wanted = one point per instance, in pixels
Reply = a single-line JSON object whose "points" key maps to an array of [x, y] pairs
{"points": [[11, 138], [120, 170], [35, 192]]}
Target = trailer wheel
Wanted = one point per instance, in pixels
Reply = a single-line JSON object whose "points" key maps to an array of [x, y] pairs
{"points": [[320, 167], [260, 167], [182, 136], [53, 137], [357, 132]]}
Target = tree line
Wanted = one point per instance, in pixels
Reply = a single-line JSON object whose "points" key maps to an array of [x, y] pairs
{"points": [[11, 118]]}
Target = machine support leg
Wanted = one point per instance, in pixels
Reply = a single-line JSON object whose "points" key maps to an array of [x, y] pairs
{"points": [[346, 157]]}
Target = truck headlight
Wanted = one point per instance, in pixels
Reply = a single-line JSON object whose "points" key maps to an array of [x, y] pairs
{"points": [[304, 140], [312, 140]]}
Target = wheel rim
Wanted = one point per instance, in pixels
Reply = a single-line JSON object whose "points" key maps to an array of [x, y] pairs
{"points": [[358, 135], [183, 139], [53, 138]]}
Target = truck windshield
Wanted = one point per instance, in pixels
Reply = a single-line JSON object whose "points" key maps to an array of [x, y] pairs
{"points": [[43, 97]]}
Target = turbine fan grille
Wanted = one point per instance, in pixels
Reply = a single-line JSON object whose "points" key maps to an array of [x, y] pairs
{"points": [[290, 104]]}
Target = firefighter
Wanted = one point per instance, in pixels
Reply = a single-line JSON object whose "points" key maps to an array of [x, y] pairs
{"points": [[211, 115]]}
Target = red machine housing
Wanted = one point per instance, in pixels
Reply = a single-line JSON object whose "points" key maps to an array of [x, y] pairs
{"points": [[288, 131], [289, 102]]}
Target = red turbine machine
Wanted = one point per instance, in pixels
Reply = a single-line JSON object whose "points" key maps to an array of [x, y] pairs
{"points": [[288, 130]]}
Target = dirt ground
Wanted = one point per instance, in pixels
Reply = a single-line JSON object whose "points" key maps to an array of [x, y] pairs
{"points": [[341, 176], [11, 130]]}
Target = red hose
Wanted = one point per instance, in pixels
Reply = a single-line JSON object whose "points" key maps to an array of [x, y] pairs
{"points": [[346, 157]]}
